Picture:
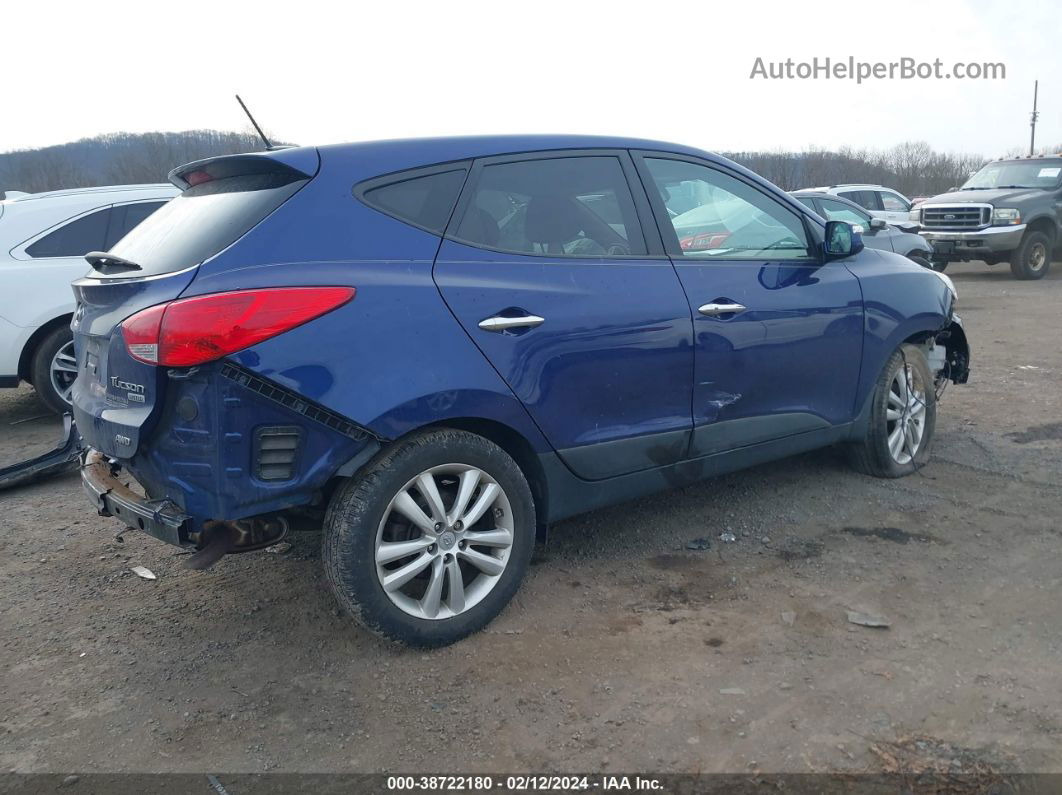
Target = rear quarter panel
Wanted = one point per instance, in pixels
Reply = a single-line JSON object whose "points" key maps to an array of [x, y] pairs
{"points": [[393, 359]]}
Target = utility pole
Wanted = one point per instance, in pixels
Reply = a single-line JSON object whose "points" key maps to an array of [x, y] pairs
{"points": [[1032, 123]]}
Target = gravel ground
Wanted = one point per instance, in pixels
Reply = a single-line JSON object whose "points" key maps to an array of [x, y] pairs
{"points": [[624, 650]]}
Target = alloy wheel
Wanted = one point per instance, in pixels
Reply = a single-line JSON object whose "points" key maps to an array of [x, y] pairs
{"points": [[444, 541], [63, 371], [905, 414]]}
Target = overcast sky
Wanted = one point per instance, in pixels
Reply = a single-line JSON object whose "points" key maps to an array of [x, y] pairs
{"points": [[315, 72]]}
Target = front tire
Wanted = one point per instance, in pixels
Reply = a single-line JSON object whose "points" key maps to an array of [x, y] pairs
{"points": [[903, 417], [430, 542], [920, 260], [54, 368], [1032, 260]]}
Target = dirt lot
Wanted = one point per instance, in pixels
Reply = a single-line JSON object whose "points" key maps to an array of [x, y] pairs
{"points": [[624, 650]]}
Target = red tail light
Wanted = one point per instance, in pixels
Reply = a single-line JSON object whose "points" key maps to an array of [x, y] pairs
{"points": [[196, 330]]}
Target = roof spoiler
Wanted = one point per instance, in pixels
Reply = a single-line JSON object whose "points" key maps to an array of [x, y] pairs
{"points": [[297, 163]]}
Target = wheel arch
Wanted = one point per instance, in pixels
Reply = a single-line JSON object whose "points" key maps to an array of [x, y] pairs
{"points": [[25, 358], [518, 448], [1045, 224], [950, 334], [514, 443]]}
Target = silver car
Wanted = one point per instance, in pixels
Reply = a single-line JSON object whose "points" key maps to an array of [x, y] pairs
{"points": [[876, 232]]}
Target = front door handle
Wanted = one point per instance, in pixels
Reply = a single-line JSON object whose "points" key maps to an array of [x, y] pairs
{"points": [[502, 323], [714, 310]]}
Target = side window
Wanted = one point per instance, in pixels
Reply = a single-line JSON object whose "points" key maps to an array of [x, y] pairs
{"points": [[422, 201], [893, 203], [571, 206], [867, 199], [125, 217], [808, 202], [719, 217], [836, 211], [75, 239]]}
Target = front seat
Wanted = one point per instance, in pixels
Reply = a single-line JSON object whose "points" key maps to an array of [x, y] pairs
{"points": [[479, 225], [551, 222]]}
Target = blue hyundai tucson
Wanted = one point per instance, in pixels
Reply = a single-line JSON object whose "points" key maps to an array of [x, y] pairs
{"points": [[436, 348]]}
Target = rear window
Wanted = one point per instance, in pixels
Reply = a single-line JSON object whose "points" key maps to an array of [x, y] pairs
{"points": [[124, 218], [867, 199], [203, 220], [75, 239], [424, 201]]}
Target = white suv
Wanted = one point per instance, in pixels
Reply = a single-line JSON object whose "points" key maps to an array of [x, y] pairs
{"points": [[879, 201], [43, 240]]}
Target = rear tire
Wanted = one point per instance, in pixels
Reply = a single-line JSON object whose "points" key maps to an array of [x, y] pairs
{"points": [[1032, 260], [459, 578], [53, 369], [899, 434]]}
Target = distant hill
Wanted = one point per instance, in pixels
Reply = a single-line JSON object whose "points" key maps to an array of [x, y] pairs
{"points": [[115, 159], [912, 167]]}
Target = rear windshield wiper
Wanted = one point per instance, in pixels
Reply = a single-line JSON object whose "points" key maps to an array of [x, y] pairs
{"points": [[101, 260]]}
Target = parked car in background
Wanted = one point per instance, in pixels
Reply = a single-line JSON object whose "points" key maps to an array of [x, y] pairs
{"points": [[43, 241], [436, 347], [879, 201], [876, 232], [1009, 211]]}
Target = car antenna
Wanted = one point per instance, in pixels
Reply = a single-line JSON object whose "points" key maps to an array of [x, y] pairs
{"points": [[261, 134]]}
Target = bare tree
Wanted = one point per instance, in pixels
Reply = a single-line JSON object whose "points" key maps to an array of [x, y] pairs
{"points": [[117, 158]]}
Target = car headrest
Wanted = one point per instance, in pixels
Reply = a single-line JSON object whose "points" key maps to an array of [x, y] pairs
{"points": [[479, 225], [551, 219]]}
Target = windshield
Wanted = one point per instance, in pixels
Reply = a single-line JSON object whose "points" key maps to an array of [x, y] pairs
{"points": [[1043, 174]]}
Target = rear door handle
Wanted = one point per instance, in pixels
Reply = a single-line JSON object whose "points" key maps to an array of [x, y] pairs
{"points": [[502, 323], [714, 310]]}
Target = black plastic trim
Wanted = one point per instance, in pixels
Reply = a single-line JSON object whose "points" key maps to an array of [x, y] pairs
{"points": [[718, 437], [276, 463], [570, 495], [300, 405], [620, 456]]}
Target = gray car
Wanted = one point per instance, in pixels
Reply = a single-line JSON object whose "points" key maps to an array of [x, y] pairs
{"points": [[876, 232]]}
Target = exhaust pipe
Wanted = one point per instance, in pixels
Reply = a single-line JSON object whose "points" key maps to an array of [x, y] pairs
{"points": [[220, 538]]}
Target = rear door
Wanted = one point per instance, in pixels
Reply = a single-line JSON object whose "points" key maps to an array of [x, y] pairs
{"points": [[551, 266], [869, 200], [897, 209], [778, 335]]}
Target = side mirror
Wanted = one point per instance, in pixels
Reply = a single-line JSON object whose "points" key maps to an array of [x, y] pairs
{"points": [[878, 223], [841, 240]]}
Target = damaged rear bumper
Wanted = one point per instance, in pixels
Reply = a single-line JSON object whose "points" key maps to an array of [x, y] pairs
{"points": [[160, 519], [62, 458]]}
